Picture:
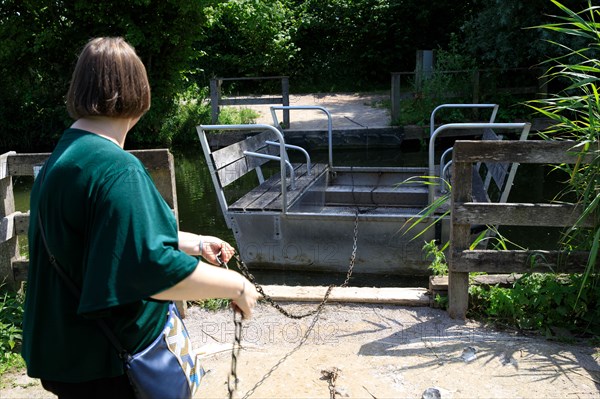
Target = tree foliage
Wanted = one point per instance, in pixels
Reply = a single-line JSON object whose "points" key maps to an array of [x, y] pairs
{"points": [[40, 40], [500, 34], [323, 45], [357, 43], [248, 38]]}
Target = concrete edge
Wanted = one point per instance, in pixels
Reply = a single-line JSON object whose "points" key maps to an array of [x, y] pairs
{"points": [[385, 295]]}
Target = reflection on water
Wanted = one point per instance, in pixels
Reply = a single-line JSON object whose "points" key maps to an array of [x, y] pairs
{"points": [[199, 211]]}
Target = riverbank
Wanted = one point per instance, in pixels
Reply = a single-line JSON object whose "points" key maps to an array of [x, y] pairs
{"points": [[359, 120], [380, 351]]}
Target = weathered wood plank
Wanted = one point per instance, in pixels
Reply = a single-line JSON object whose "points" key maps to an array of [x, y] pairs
{"points": [[397, 296], [255, 78], [13, 225], [4, 164], [22, 164], [9, 251], [249, 101], [7, 227], [153, 159], [230, 173], [518, 261], [246, 202], [551, 152], [234, 171], [303, 181], [440, 283], [21, 222], [234, 152], [161, 165], [458, 281], [6, 196], [267, 196], [271, 199], [273, 183], [520, 214]]}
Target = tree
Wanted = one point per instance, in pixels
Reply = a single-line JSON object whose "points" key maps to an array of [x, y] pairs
{"points": [[39, 43], [357, 43], [499, 35], [247, 38]]}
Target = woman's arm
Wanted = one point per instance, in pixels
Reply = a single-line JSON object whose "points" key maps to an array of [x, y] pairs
{"points": [[208, 281]]}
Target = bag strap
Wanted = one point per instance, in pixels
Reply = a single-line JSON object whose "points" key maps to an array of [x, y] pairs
{"points": [[75, 290]]}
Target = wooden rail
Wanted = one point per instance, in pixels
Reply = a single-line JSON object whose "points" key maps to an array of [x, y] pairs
{"points": [[465, 213], [538, 88], [13, 264], [216, 100]]}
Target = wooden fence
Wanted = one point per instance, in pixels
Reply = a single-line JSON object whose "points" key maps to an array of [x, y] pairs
{"points": [[465, 213], [537, 87], [14, 264], [216, 100]]}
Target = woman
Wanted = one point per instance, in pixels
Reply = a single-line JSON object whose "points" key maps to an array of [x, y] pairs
{"points": [[113, 235]]}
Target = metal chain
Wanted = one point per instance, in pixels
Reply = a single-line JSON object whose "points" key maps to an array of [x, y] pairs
{"points": [[246, 273], [331, 376], [235, 352], [316, 312], [284, 358]]}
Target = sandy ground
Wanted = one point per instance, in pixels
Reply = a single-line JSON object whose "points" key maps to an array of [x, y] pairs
{"points": [[381, 351], [348, 110]]}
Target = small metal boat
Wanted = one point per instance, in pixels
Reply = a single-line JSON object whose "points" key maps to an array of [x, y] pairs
{"points": [[320, 215]]}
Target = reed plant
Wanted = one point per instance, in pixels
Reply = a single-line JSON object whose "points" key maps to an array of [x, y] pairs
{"points": [[575, 112]]}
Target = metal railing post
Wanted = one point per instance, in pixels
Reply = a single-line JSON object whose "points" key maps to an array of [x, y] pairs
{"points": [[309, 107]]}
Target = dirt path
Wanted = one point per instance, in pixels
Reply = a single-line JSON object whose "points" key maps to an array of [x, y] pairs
{"points": [[348, 110], [381, 352]]}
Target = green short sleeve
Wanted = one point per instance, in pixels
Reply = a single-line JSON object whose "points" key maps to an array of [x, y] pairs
{"points": [[133, 247]]}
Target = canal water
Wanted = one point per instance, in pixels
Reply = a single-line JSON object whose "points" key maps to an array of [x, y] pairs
{"points": [[199, 211]]}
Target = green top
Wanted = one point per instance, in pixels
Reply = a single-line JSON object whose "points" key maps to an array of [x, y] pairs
{"points": [[115, 236]]}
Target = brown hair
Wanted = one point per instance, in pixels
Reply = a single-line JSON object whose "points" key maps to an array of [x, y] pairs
{"points": [[109, 80]]}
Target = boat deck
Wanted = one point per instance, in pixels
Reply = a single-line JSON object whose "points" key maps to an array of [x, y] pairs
{"points": [[267, 196]]}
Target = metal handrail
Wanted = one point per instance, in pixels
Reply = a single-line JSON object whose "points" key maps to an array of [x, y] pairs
{"points": [[524, 126], [444, 167], [276, 158], [282, 156], [298, 148], [436, 109], [309, 107]]}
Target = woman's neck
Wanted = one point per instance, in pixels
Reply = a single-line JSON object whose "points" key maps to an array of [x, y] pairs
{"points": [[113, 129]]}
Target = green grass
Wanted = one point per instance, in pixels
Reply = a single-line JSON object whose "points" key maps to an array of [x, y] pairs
{"points": [[11, 329]]}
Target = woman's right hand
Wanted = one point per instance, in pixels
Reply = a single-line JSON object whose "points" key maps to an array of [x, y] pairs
{"points": [[245, 302]]}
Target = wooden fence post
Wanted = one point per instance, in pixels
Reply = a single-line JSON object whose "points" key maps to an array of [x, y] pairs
{"points": [[458, 282], [285, 95], [215, 97], [9, 245], [395, 96]]}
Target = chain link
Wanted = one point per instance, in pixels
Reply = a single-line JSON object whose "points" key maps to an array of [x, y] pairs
{"points": [[331, 376], [246, 273], [316, 312], [232, 378]]}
